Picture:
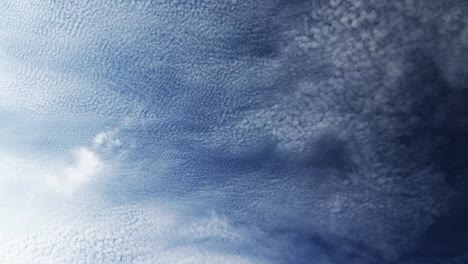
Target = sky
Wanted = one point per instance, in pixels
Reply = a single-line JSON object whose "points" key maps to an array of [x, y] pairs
{"points": [[321, 132]]}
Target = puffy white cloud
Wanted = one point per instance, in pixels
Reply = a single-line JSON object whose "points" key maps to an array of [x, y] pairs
{"points": [[107, 137], [64, 174], [85, 167]]}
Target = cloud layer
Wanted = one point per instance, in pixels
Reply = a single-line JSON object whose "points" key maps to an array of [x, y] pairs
{"points": [[234, 132]]}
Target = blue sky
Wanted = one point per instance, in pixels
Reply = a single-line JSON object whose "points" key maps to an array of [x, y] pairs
{"points": [[229, 132]]}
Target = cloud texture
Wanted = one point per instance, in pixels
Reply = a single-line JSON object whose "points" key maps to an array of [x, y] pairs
{"points": [[232, 131]]}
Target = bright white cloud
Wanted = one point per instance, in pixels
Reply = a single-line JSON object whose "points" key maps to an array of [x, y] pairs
{"points": [[30, 182], [154, 232], [32, 174], [85, 167], [107, 137]]}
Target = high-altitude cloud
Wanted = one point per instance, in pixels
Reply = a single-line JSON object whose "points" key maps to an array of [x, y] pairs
{"points": [[232, 132]]}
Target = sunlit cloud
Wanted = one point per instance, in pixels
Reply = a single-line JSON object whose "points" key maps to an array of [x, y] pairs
{"points": [[77, 168], [86, 165]]}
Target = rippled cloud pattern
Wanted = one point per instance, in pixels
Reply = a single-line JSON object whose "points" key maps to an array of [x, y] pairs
{"points": [[203, 131]]}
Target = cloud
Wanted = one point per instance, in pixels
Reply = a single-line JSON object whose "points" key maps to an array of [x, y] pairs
{"points": [[133, 234], [61, 175], [248, 132], [106, 137], [85, 167]]}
